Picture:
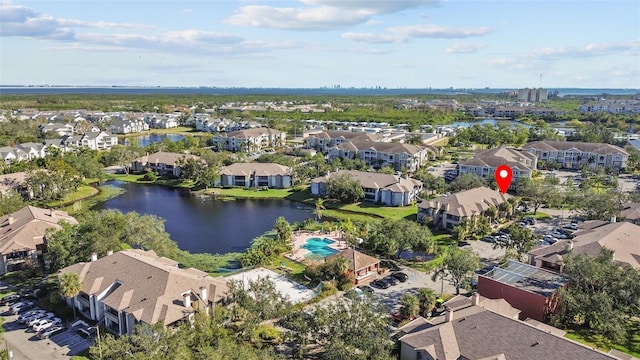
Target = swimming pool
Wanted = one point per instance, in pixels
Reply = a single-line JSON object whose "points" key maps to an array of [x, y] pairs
{"points": [[319, 247]]}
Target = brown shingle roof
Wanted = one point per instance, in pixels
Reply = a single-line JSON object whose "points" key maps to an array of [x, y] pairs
{"points": [[468, 202], [260, 169], [483, 334], [385, 147], [623, 238], [502, 155], [357, 260], [146, 285], [162, 157], [26, 228]]}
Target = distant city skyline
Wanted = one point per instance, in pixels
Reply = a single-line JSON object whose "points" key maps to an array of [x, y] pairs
{"points": [[321, 43]]}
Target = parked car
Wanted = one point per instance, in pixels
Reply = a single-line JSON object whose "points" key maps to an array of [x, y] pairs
{"points": [[43, 324], [20, 307], [381, 284], [390, 279], [50, 331], [86, 332], [35, 319], [400, 276], [366, 289], [22, 318], [490, 239], [9, 299], [354, 294]]}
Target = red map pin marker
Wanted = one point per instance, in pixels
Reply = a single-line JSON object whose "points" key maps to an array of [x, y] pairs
{"points": [[503, 177]]}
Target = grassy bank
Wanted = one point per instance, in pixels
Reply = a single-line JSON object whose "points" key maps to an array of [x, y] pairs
{"points": [[631, 346]]}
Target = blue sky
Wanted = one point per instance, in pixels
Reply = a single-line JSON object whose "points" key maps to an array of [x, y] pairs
{"points": [[314, 43]]}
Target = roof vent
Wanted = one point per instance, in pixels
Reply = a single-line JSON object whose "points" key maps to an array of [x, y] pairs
{"points": [[535, 343]]}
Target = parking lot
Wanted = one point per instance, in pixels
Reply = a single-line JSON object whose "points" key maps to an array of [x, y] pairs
{"points": [[25, 344]]}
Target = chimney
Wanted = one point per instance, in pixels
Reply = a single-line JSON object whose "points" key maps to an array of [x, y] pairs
{"points": [[475, 299], [448, 315], [203, 294], [94, 257], [51, 212], [569, 245], [613, 219], [110, 252], [11, 219], [186, 299]]}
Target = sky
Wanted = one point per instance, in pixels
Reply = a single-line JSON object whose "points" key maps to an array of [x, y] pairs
{"points": [[322, 43]]}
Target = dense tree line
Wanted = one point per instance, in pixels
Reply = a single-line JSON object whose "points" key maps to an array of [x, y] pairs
{"points": [[107, 230], [601, 296]]}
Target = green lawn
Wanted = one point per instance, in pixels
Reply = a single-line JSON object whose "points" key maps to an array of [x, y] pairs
{"points": [[245, 193], [388, 212], [538, 215], [83, 192], [631, 347]]}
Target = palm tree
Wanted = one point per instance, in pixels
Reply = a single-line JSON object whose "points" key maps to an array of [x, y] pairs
{"points": [[492, 213], [427, 298], [70, 287], [319, 207]]}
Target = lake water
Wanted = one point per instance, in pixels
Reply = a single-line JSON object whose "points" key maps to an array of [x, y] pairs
{"points": [[144, 140], [204, 224]]}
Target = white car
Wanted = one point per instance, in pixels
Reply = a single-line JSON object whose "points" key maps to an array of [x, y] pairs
{"points": [[34, 320], [44, 324], [50, 331]]}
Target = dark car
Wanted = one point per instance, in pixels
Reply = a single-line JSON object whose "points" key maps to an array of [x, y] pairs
{"points": [[400, 276], [366, 289], [9, 299], [390, 279], [381, 284]]}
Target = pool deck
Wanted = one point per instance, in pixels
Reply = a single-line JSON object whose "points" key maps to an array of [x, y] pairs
{"points": [[299, 238]]}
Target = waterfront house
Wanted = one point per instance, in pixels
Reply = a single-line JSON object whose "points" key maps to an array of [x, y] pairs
{"points": [[164, 163], [22, 235], [447, 211], [93, 140], [135, 286], [254, 175], [386, 189]]}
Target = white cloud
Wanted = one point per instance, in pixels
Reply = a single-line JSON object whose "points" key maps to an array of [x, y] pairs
{"points": [[320, 15], [464, 48], [405, 33], [21, 21], [589, 50], [18, 20]]}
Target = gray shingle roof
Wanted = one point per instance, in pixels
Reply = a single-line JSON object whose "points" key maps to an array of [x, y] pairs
{"points": [[468, 202]]}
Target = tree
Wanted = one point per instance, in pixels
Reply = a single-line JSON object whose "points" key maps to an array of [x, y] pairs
{"points": [[341, 330], [599, 204], [458, 267], [409, 306], [521, 241], [11, 202], [537, 192], [491, 213], [319, 207], [283, 229], [465, 182], [70, 286], [427, 299], [344, 188], [600, 296], [198, 171]]}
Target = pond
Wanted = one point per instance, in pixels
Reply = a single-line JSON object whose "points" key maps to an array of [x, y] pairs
{"points": [[144, 140], [205, 224]]}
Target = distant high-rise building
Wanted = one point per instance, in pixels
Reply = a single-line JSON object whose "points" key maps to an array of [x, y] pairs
{"points": [[532, 95]]}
